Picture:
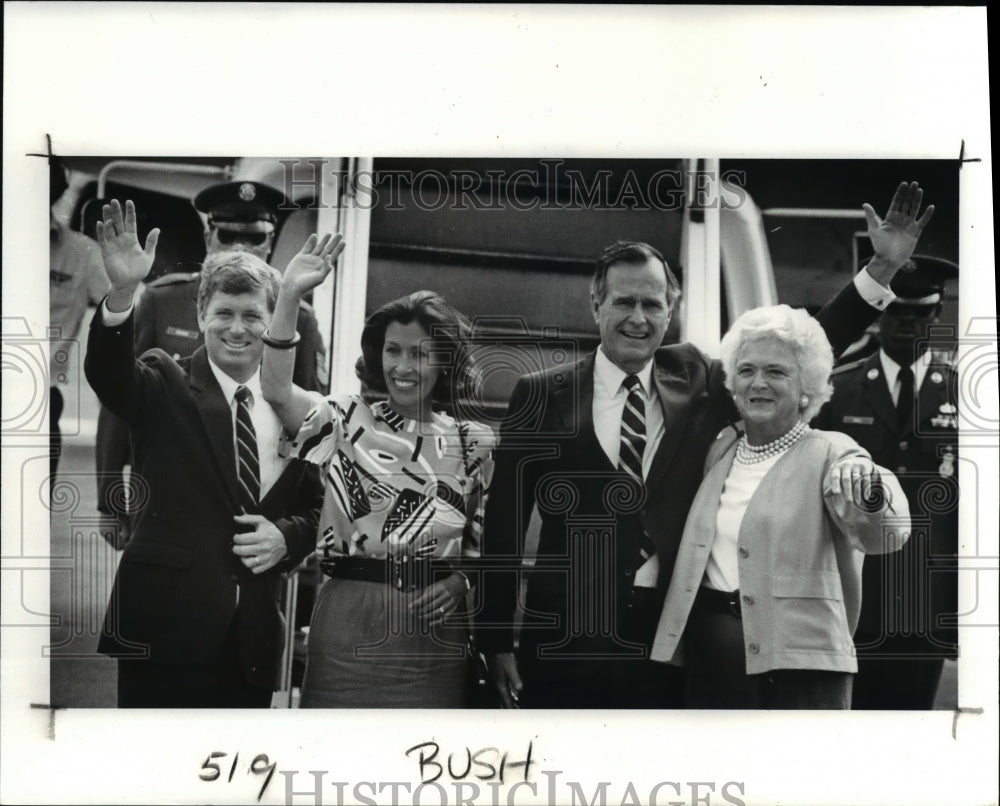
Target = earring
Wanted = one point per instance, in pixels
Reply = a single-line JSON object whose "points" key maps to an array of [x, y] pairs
{"points": [[803, 401]]}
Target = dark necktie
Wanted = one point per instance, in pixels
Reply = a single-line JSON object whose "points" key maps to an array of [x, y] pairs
{"points": [[904, 403], [633, 437], [246, 451], [633, 443]]}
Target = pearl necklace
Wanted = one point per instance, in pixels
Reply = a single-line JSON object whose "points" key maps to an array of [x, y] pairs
{"points": [[748, 454]]}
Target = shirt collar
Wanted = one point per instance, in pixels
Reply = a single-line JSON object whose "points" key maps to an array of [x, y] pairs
{"points": [[891, 368], [611, 376], [229, 386]]}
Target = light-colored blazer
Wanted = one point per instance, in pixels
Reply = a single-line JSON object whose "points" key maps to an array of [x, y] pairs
{"points": [[800, 555]]}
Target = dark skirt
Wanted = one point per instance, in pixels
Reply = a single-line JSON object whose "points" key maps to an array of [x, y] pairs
{"points": [[366, 651], [716, 669]]}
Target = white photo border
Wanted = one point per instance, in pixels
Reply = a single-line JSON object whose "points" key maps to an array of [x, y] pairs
{"points": [[382, 80]]}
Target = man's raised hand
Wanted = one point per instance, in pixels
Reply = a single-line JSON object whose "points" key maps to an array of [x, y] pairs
{"points": [[125, 262], [313, 263], [895, 237]]}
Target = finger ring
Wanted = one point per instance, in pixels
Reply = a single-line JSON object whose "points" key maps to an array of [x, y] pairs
{"points": [[442, 610]]}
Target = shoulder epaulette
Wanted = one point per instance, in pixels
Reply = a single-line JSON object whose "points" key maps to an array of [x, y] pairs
{"points": [[174, 278], [850, 365]]}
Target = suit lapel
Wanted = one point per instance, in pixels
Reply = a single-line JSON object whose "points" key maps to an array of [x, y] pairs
{"points": [[217, 418], [876, 394], [676, 400], [574, 403]]}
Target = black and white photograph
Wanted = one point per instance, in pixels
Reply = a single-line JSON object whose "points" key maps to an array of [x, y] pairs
{"points": [[573, 386]]}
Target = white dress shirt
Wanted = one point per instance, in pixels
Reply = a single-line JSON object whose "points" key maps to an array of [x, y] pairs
{"points": [[266, 424], [878, 296], [609, 403], [891, 370]]}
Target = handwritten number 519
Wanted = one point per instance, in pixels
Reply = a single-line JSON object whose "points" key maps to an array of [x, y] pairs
{"points": [[210, 770]]}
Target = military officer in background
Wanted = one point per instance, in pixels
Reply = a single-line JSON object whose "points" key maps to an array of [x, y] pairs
{"points": [[901, 405], [242, 216]]}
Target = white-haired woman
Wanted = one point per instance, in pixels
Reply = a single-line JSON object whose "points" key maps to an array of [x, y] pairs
{"points": [[765, 594]]}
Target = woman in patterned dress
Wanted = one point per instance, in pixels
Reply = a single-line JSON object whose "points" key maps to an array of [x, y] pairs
{"points": [[405, 491]]}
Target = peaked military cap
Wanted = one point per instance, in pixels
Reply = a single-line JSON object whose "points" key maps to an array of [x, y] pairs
{"points": [[241, 202], [921, 281]]}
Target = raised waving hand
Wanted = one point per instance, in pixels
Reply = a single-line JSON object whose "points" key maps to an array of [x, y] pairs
{"points": [[895, 236], [125, 261], [313, 263]]}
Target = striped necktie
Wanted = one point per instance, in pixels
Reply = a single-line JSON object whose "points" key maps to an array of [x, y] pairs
{"points": [[248, 466], [633, 443], [633, 439]]}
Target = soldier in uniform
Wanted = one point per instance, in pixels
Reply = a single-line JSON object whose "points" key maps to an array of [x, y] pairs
{"points": [[242, 216], [901, 405]]}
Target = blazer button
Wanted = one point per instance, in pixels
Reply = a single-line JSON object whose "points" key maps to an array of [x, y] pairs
{"points": [[904, 445], [628, 572], [748, 600], [754, 649], [901, 469], [744, 553]]}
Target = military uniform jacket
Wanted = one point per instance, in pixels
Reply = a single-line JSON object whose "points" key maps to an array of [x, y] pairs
{"points": [[179, 585], [912, 593]]}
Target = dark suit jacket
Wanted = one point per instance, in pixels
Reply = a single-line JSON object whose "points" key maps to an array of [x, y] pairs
{"points": [[915, 590], [593, 520], [176, 588]]}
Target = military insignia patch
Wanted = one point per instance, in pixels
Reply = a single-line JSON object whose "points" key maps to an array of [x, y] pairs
{"points": [[850, 419], [947, 469], [947, 416]]}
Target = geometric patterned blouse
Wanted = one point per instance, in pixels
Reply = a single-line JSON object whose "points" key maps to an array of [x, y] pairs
{"points": [[395, 486]]}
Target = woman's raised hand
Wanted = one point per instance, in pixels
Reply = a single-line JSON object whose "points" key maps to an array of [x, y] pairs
{"points": [[313, 263]]}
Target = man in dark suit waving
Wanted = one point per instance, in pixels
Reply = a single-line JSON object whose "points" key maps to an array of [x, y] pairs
{"points": [[193, 616], [611, 451]]}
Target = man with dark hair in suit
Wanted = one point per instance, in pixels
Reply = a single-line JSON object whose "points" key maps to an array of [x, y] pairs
{"points": [[241, 216], [611, 450], [901, 405], [193, 616]]}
